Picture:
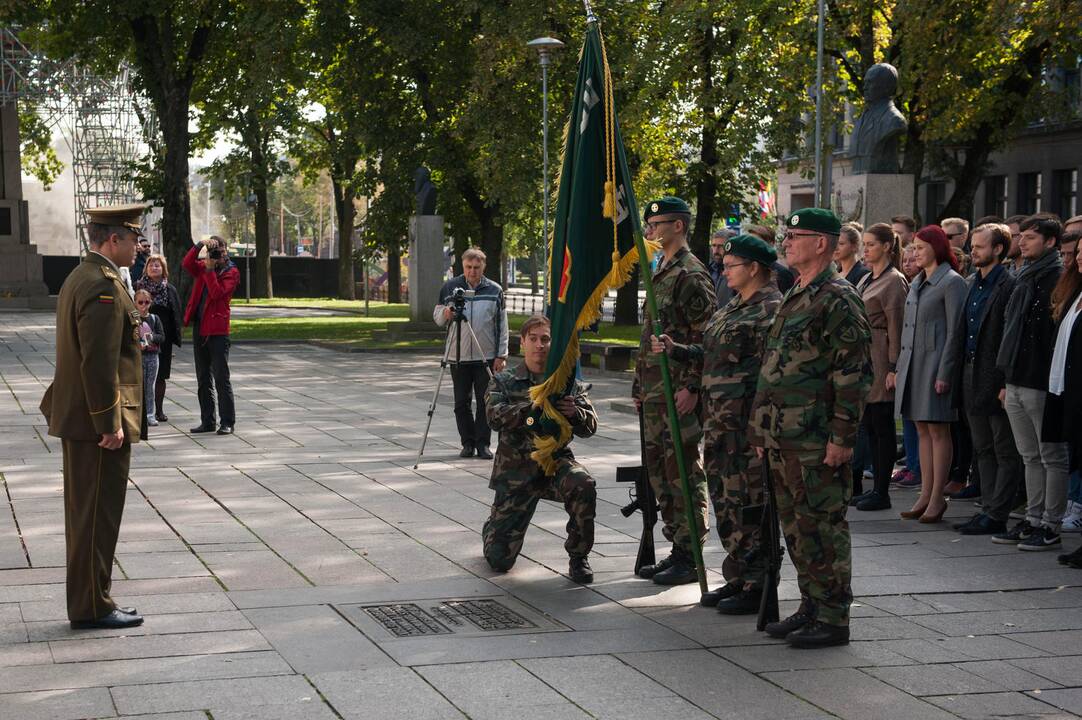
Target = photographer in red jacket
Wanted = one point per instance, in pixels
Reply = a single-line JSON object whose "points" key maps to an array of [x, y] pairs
{"points": [[216, 278]]}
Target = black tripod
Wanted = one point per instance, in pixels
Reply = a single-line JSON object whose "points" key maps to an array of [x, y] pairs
{"points": [[458, 321]]}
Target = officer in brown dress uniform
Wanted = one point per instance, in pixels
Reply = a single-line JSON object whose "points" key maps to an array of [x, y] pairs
{"points": [[95, 405]]}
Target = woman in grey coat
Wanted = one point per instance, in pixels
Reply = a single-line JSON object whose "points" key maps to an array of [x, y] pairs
{"points": [[926, 366]]}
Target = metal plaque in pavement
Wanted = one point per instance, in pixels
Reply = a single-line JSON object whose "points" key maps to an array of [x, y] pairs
{"points": [[456, 617]]}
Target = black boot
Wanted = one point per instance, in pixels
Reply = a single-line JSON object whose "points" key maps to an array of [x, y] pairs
{"points": [[159, 398], [803, 615], [745, 602], [681, 572], [649, 571], [874, 501], [817, 635], [579, 569], [711, 598]]}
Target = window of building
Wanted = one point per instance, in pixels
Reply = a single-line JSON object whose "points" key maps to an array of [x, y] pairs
{"points": [[1029, 193], [995, 195], [1065, 192], [934, 202]]}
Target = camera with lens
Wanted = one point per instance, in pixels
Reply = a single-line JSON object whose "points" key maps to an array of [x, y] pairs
{"points": [[216, 254], [458, 301]]}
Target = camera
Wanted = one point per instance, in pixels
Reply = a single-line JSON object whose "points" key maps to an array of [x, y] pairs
{"points": [[215, 254], [458, 300]]}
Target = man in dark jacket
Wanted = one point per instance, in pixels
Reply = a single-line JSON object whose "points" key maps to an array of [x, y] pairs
{"points": [[216, 279], [979, 337], [1025, 357]]}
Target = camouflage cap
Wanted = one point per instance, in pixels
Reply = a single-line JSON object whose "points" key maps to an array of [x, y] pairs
{"points": [[128, 216], [664, 206], [751, 248], [814, 220]]}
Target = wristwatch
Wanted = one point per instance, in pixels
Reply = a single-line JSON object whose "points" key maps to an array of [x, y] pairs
{"points": [[693, 389]]}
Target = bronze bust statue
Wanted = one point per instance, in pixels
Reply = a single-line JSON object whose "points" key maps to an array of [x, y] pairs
{"points": [[424, 191], [874, 143]]}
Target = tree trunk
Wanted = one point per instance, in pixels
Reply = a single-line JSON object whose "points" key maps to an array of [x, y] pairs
{"points": [[176, 209], [626, 311], [535, 271], [262, 284], [706, 185], [913, 162], [492, 245], [343, 209], [394, 275]]}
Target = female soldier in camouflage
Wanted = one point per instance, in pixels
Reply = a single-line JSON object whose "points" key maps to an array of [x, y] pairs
{"points": [[731, 352]]}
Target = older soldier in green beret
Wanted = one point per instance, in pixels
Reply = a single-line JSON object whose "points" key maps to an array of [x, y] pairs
{"points": [[815, 377], [684, 293], [732, 351], [95, 405]]}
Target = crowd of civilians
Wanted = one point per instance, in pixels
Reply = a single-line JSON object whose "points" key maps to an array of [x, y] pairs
{"points": [[977, 349]]}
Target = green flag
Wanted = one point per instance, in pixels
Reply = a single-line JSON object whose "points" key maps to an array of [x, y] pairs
{"points": [[593, 244]]}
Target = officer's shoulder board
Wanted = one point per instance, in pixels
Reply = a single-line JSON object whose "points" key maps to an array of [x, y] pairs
{"points": [[109, 273]]}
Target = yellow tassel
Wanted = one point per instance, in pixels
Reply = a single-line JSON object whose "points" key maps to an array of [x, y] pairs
{"points": [[609, 209]]}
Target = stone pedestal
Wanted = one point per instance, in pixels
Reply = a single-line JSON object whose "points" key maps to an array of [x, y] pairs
{"points": [[21, 284], [870, 199], [425, 266]]}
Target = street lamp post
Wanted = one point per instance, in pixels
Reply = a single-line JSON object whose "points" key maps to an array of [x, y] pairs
{"points": [[545, 46]]}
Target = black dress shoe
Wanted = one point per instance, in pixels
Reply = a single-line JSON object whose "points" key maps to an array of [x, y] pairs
{"points": [[466, 452], [858, 497], [202, 429], [162, 417], [649, 571], [983, 525], [112, 621], [225, 430], [967, 493], [681, 572], [484, 453], [579, 570], [711, 598], [967, 523], [874, 501], [128, 610], [746, 602], [1072, 559], [804, 615], [817, 635]]}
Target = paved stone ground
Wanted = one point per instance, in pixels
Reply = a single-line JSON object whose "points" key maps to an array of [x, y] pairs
{"points": [[256, 558]]}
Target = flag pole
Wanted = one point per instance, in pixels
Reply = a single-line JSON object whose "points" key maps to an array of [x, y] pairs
{"points": [[666, 379]]}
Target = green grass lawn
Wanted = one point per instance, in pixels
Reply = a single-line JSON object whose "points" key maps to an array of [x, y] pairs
{"points": [[360, 328]]}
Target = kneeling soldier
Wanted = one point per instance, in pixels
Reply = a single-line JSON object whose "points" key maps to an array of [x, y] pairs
{"points": [[518, 480]]}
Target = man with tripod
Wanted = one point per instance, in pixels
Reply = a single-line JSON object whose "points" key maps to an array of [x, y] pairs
{"points": [[474, 299]]}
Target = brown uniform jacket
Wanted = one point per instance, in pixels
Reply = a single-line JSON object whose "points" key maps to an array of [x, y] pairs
{"points": [[98, 384]]}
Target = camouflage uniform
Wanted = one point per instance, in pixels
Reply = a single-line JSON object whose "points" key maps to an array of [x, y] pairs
{"points": [[519, 481], [685, 301], [816, 374], [732, 351]]}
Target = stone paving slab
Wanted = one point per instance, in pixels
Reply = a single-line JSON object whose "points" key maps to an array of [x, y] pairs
{"points": [[247, 554]]}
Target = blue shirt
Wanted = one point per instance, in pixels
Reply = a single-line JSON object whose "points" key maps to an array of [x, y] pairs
{"points": [[976, 303]]}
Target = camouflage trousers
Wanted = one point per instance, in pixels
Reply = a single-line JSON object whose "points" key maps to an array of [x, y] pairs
{"points": [[734, 478], [665, 478], [513, 509], [812, 501]]}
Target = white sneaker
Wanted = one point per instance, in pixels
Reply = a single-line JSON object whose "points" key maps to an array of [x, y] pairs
{"points": [[869, 475], [152, 421], [1073, 522]]}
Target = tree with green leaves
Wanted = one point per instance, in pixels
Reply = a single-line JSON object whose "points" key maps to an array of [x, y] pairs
{"points": [[251, 99]]}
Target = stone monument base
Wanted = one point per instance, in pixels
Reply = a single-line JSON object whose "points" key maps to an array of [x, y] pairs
{"points": [[870, 199], [425, 265]]}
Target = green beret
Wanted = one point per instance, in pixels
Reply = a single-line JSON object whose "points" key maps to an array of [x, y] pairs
{"points": [[814, 220], [751, 248], [664, 206]]}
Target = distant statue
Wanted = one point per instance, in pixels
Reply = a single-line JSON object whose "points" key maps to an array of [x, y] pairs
{"points": [[874, 144], [425, 191]]}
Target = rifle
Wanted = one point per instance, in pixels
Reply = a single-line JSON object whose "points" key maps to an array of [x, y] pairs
{"points": [[769, 543], [643, 500]]}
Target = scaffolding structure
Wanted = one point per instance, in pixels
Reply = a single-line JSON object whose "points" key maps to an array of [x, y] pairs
{"points": [[98, 116]]}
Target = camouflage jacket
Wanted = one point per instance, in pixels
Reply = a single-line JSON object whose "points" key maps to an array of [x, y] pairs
{"points": [[816, 370], [732, 353], [685, 301], [507, 405]]}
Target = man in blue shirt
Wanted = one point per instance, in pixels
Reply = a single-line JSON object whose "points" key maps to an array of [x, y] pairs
{"points": [[1000, 466]]}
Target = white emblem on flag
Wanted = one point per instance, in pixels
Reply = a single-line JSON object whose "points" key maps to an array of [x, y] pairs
{"points": [[589, 99]]}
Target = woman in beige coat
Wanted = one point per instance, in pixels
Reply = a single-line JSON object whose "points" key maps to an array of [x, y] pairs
{"points": [[883, 290]]}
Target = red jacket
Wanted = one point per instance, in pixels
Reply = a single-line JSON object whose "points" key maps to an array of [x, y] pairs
{"points": [[220, 285]]}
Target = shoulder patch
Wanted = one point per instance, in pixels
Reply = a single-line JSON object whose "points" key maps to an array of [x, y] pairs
{"points": [[106, 299]]}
